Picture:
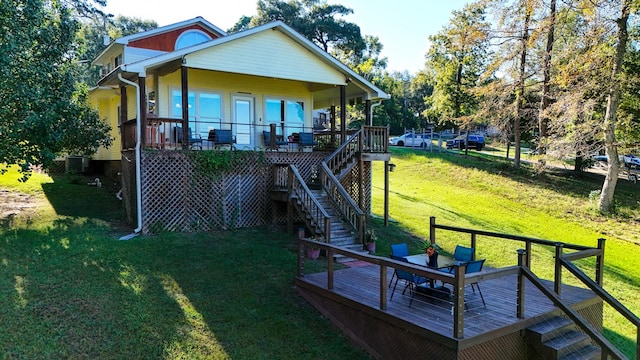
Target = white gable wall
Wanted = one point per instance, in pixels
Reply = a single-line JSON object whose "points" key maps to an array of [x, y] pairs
{"points": [[269, 54]]}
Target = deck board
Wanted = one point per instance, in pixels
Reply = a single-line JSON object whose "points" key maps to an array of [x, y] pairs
{"points": [[361, 284]]}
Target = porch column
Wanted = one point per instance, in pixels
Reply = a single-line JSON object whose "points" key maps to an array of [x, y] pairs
{"points": [[123, 117], [343, 113], [367, 115], [142, 82], [185, 106], [332, 120]]}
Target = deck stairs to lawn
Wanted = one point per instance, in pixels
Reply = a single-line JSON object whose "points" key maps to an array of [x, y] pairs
{"points": [[559, 338], [328, 210], [341, 233]]}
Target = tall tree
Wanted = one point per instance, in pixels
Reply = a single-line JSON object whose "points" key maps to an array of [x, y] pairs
{"points": [[457, 56], [527, 10], [613, 97], [318, 21], [44, 112], [546, 78]]}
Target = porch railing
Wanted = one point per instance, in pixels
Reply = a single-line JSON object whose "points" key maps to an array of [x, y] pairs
{"points": [[314, 214], [561, 261]]}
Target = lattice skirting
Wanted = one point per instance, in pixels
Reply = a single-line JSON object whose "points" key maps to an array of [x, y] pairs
{"points": [[174, 198]]}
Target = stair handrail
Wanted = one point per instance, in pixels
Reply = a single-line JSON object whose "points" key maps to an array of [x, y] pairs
{"points": [[345, 205], [573, 315], [604, 295], [319, 217], [344, 153]]}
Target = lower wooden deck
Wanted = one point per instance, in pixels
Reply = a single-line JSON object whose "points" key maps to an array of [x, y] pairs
{"points": [[359, 289]]}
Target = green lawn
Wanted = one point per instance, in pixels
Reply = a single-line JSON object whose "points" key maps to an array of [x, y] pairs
{"points": [[70, 289], [484, 192]]}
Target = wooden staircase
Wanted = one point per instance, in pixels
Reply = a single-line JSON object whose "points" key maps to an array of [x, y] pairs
{"points": [[559, 338], [342, 234]]}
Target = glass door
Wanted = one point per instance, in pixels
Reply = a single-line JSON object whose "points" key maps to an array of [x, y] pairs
{"points": [[243, 115]]}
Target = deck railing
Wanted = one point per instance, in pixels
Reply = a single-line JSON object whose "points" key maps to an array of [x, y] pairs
{"points": [[314, 214], [561, 261]]}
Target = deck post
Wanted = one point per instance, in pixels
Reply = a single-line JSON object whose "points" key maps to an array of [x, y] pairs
{"points": [[330, 269], [557, 279], [301, 247], [142, 83], [600, 261], [432, 230], [383, 287], [458, 301], [520, 301], [184, 86], [289, 204], [473, 245], [528, 248]]}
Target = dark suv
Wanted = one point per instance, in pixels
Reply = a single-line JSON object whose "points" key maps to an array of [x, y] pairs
{"points": [[475, 141]]}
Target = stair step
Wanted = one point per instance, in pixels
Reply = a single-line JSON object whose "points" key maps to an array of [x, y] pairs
{"points": [[548, 329], [588, 352], [564, 343]]}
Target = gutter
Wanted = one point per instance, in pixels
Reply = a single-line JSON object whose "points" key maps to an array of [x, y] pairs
{"points": [[137, 153]]}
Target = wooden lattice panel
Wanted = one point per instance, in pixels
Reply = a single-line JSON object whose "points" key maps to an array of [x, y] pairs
{"points": [[174, 198]]}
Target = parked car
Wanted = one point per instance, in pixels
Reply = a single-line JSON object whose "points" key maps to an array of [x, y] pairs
{"points": [[411, 139], [474, 141]]}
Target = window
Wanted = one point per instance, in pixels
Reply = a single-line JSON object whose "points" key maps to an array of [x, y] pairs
{"points": [[190, 38], [287, 114], [205, 110], [117, 61]]}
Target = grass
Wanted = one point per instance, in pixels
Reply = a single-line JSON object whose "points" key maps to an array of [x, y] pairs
{"points": [[484, 192], [70, 289]]}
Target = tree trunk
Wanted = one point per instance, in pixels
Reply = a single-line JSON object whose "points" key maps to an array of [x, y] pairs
{"points": [[613, 98], [546, 81], [520, 87]]}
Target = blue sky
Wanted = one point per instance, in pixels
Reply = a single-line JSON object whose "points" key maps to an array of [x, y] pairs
{"points": [[402, 25]]}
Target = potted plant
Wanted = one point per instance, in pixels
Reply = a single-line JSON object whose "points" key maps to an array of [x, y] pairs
{"points": [[370, 240]]}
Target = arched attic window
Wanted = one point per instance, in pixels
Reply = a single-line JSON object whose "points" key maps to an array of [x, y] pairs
{"points": [[190, 38]]}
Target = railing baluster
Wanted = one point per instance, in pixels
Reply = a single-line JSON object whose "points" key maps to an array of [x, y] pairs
{"points": [[520, 302], [557, 278]]}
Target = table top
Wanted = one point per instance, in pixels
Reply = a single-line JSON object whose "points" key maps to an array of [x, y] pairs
{"points": [[423, 259]]}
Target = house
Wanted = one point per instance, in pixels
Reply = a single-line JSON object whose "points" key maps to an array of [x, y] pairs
{"points": [[181, 87]]}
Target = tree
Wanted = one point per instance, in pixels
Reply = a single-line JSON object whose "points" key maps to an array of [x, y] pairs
{"points": [[457, 56], [90, 40], [315, 19], [44, 112], [613, 97], [546, 80]]}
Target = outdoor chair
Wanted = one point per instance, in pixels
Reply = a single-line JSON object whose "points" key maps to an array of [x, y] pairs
{"points": [[221, 137], [411, 280], [272, 142], [194, 142], [473, 267], [306, 140], [464, 254], [398, 250]]}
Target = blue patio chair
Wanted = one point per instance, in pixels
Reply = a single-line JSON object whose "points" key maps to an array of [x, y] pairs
{"points": [[399, 250], [222, 137], [464, 254], [194, 142], [411, 280], [306, 140], [272, 142], [473, 267]]}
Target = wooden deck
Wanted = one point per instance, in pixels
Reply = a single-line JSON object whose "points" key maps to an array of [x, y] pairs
{"points": [[358, 288]]}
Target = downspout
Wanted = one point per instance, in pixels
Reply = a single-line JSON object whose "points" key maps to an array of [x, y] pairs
{"points": [[372, 106], [137, 152]]}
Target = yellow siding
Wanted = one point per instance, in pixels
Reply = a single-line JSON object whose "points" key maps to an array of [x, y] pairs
{"points": [[107, 102], [269, 54], [228, 85]]}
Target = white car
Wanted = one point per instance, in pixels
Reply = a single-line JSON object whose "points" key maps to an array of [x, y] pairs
{"points": [[411, 139]]}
